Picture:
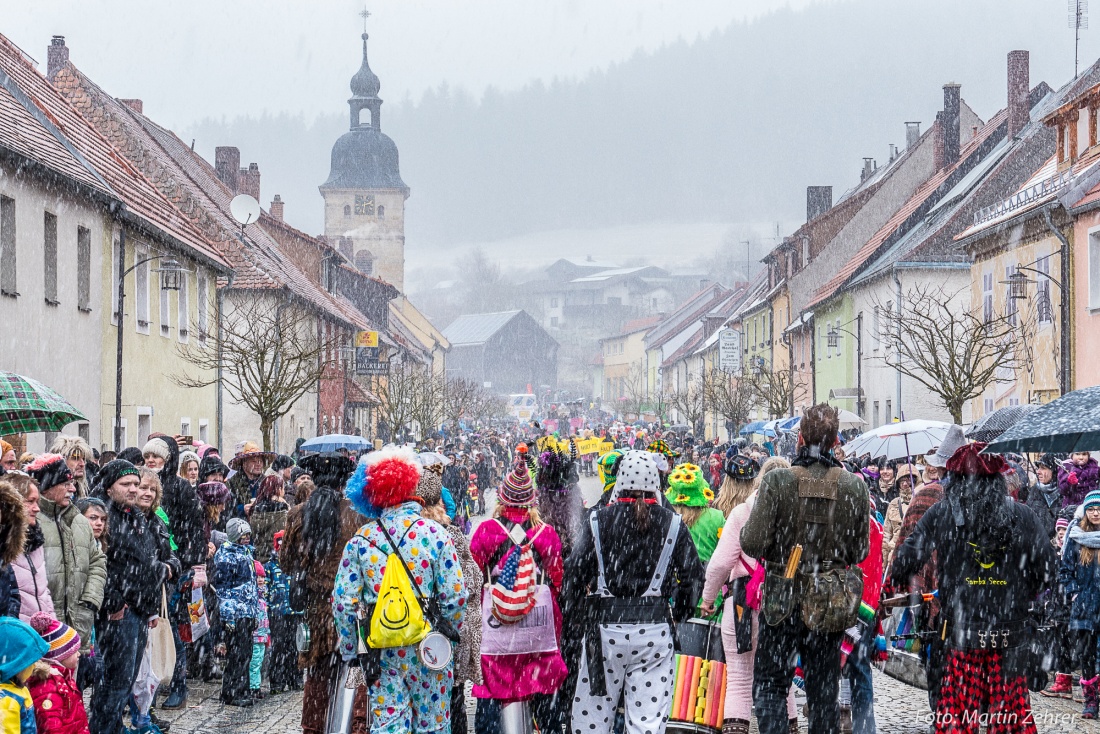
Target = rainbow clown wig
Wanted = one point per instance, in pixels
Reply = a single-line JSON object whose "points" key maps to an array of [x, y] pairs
{"points": [[383, 479]]}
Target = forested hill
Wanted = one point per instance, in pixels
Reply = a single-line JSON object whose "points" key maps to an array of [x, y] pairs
{"points": [[728, 127]]}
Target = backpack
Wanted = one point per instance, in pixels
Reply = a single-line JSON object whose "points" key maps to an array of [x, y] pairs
{"points": [[513, 591], [398, 617]]}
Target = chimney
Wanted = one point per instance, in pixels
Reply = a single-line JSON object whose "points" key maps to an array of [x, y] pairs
{"points": [[276, 209], [819, 199], [1019, 80], [248, 182], [868, 169], [134, 104], [57, 55], [950, 121], [227, 160], [912, 134]]}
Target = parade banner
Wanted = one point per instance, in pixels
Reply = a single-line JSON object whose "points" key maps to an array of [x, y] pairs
{"points": [[594, 445]]}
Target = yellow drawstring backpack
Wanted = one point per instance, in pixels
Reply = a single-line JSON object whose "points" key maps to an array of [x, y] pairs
{"points": [[398, 618]]}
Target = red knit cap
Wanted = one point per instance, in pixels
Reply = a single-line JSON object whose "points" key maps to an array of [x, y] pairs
{"points": [[971, 461]]}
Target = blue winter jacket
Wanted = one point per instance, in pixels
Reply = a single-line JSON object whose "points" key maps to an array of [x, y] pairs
{"points": [[234, 581], [1084, 582]]}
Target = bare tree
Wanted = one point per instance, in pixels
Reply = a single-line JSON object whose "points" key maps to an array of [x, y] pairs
{"points": [[398, 393], [635, 392], [459, 399], [269, 357], [487, 405], [428, 402], [730, 396], [774, 389], [953, 352], [689, 400]]}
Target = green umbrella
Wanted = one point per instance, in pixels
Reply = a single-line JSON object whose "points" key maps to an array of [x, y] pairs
{"points": [[28, 406]]}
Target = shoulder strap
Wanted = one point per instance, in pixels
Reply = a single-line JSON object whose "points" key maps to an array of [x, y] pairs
{"points": [[397, 551], [601, 581], [666, 556]]}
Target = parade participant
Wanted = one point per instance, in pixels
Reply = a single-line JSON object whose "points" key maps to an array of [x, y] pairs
{"points": [[268, 515], [131, 596], [666, 457], [726, 567], [1045, 497], [467, 654], [560, 503], [20, 648], [1077, 477], [531, 676], [814, 554], [234, 581], [636, 556], [857, 693], [608, 468], [30, 565], [317, 532], [895, 511], [13, 533], [691, 496], [77, 454], [405, 694], [738, 483], [250, 462], [58, 705], [994, 559], [76, 568], [1079, 574]]}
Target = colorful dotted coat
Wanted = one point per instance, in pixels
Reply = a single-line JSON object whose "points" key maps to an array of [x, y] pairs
{"points": [[408, 697]]}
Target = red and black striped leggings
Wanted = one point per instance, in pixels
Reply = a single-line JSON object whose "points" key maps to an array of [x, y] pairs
{"points": [[976, 693]]}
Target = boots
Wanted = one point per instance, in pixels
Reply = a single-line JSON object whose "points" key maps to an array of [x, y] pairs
{"points": [[792, 726], [1062, 687], [1091, 698], [735, 726], [845, 718]]}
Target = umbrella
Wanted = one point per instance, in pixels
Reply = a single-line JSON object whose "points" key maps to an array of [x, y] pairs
{"points": [[789, 425], [28, 406], [769, 429], [895, 440], [430, 458], [335, 441], [1070, 423], [992, 425], [849, 420], [680, 428], [754, 427]]}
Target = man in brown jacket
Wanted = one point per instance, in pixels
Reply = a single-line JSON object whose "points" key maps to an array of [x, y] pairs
{"points": [[829, 520]]}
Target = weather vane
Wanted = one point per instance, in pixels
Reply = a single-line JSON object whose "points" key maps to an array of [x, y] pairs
{"points": [[364, 14]]}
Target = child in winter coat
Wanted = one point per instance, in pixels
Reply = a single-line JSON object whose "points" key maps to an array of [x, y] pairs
{"points": [[1077, 477], [20, 648], [261, 638], [58, 705], [234, 581], [283, 671], [1055, 612], [1079, 573]]}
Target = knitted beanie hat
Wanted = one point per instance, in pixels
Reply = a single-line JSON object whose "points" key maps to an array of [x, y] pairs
{"points": [[213, 493], [1062, 523], [687, 487], [62, 639], [517, 489], [156, 447], [237, 529], [430, 488], [49, 470], [186, 456], [112, 471], [1092, 499]]}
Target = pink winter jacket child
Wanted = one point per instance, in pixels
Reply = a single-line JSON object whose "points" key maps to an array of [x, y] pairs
{"points": [[34, 594]]}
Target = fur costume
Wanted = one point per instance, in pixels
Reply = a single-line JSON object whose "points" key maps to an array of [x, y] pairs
{"points": [[560, 502]]}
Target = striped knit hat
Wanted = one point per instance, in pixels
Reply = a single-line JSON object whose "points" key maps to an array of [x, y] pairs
{"points": [[1061, 523], [62, 639], [517, 489], [1092, 499]]}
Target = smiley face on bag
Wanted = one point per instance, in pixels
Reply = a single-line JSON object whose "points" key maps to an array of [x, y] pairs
{"points": [[394, 610]]}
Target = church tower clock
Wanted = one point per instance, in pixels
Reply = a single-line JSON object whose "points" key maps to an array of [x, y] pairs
{"points": [[364, 194]]}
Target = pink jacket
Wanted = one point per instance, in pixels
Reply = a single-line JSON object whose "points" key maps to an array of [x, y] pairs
{"points": [[30, 574], [726, 564]]}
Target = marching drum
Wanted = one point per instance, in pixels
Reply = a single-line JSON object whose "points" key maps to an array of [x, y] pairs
{"points": [[699, 687]]}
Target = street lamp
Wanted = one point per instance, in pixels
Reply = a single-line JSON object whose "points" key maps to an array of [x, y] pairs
{"points": [[832, 339], [1017, 284], [171, 273]]}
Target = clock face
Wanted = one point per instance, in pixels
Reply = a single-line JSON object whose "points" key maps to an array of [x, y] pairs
{"points": [[364, 205]]}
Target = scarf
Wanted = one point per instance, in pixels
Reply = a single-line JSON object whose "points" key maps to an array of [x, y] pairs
{"points": [[35, 539], [1049, 492], [810, 455], [1089, 539]]}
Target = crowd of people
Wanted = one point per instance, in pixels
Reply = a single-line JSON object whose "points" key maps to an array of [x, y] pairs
{"points": [[385, 588]]}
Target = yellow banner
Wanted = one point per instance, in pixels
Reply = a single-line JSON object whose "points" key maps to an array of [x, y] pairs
{"points": [[366, 338], [594, 445]]}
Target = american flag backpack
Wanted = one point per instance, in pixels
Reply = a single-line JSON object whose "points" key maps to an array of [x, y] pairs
{"points": [[513, 591]]}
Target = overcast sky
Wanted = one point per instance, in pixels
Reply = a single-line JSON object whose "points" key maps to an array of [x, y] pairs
{"points": [[213, 58]]}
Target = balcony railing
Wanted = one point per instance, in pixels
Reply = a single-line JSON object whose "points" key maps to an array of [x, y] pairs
{"points": [[1022, 199]]}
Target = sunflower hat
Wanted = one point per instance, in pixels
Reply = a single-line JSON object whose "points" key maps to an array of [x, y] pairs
{"points": [[687, 487]]}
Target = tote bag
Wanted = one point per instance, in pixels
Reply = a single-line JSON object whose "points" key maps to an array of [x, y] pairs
{"points": [[161, 648]]}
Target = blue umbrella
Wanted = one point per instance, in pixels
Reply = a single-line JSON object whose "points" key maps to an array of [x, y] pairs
{"points": [[754, 427], [789, 424], [335, 441]]}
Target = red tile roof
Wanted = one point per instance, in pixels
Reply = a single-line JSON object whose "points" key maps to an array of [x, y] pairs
{"points": [[923, 192], [137, 192]]}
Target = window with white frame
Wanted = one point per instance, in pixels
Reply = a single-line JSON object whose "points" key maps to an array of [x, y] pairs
{"points": [[876, 330], [1094, 269], [204, 307], [987, 406], [1043, 306], [165, 313], [141, 290], [183, 307], [204, 430], [185, 426], [49, 251], [83, 268], [839, 337], [7, 247], [987, 299]]}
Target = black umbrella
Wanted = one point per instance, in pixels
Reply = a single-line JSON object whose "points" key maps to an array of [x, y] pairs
{"points": [[992, 425], [1070, 423]]}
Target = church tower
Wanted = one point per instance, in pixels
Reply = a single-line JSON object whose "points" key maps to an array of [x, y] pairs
{"points": [[364, 194]]}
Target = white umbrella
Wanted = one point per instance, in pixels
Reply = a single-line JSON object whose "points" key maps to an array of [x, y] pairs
{"points": [[895, 440], [849, 420]]}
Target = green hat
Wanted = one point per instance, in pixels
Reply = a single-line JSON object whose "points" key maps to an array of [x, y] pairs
{"points": [[687, 487], [608, 465]]}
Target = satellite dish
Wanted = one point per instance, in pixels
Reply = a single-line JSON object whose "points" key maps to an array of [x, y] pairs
{"points": [[245, 209]]}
